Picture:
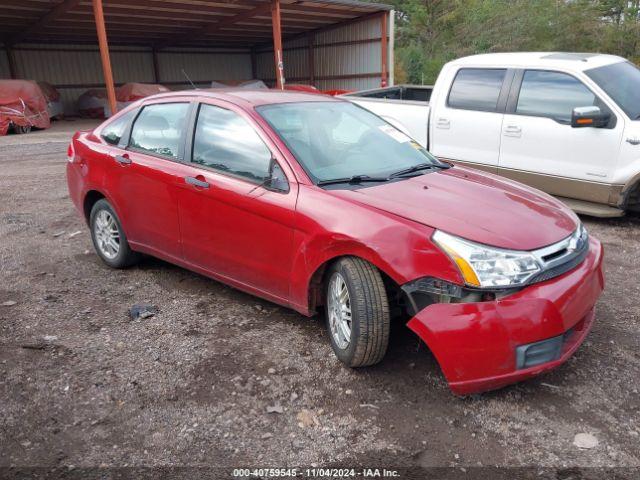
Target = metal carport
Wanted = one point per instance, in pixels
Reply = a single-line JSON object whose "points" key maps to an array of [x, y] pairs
{"points": [[329, 43]]}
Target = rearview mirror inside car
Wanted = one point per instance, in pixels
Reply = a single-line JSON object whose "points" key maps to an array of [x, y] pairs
{"points": [[589, 117]]}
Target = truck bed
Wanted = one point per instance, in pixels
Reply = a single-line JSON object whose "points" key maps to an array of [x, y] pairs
{"points": [[404, 106], [410, 93]]}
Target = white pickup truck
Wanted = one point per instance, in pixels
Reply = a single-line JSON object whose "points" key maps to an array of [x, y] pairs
{"points": [[566, 123]]}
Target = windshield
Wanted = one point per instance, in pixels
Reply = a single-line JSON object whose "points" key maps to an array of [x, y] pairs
{"points": [[334, 140], [621, 81]]}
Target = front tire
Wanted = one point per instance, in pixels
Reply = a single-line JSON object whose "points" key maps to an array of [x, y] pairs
{"points": [[109, 239], [357, 312]]}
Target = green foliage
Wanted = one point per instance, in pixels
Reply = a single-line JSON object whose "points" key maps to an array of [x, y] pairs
{"points": [[431, 32]]}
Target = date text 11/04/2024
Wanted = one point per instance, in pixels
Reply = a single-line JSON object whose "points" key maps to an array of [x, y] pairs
{"points": [[315, 473]]}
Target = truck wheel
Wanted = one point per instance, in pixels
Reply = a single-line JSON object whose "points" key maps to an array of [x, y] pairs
{"points": [[108, 237], [357, 312]]}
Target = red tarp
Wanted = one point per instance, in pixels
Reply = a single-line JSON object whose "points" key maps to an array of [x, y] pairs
{"points": [[49, 91], [22, 103], [94, 103], [297, 87], [54, 102], [336, 92], [130, 92], [312, 89]]}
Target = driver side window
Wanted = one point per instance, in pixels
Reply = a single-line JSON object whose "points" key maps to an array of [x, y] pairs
{"points": [[552, 94], [225, 141]]}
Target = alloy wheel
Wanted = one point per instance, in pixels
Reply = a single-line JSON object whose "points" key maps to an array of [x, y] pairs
{"points": [[107, 234], [339, 308]]}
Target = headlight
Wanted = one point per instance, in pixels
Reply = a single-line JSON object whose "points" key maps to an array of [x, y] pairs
{"points": [[488, 267]]}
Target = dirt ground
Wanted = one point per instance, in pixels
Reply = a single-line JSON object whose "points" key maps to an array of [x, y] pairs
{"points": [[82, 385]]}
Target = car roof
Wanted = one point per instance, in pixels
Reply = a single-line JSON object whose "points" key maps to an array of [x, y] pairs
{"points": [[250, 97], [564, 60]]}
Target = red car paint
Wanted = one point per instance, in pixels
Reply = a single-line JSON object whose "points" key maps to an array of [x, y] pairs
{"points": [[274, 244], [455, 332]]}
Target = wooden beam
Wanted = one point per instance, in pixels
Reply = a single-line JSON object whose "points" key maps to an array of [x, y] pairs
{"points": [[214, 28], [311, 40], [170, 7], [384, 48], [25, 4], [104, 55], [277, 43], [11, 60], [46, 19]]}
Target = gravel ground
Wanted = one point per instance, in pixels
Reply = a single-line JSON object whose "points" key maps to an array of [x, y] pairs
{"points": [[221, 378]]}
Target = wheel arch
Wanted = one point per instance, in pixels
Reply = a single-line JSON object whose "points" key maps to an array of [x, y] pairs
{"points": [[315, 282], [92, 196], [89, 200], [630, 196]]}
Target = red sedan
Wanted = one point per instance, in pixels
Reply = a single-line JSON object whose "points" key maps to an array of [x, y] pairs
{"points": [[312, 202]]}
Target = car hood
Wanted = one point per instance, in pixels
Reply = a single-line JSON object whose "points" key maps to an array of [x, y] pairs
{"points": [[481, 207]]}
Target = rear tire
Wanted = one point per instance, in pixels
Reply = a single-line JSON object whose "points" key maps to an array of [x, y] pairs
{"points": [[109, 239], [357, 312]]}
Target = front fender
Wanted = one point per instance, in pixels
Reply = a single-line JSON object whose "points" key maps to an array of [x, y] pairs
{"points": [[329, 227]]}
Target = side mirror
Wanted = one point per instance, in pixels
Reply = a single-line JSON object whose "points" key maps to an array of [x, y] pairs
{"points": [[589, 117], [277, 179]]}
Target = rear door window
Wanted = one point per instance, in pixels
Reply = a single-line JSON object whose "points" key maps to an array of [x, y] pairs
{"points": [[159, 129], [225, 141], [476, 89], [552, 94], [112, 132]]}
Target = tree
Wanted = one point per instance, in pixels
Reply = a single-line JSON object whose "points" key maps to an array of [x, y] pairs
{"points": [[431, 32]]}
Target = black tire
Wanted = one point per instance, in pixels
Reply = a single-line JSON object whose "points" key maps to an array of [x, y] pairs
{"points": [[370, 318], [20, 129], [125, 256]]}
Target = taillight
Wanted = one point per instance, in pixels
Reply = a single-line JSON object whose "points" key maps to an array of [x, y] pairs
{"points": [[71, 154]]}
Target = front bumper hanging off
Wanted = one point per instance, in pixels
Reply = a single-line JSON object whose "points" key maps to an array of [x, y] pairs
{"points": [[486, 345]]}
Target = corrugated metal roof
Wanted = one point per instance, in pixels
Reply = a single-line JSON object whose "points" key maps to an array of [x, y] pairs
{"points": [[354, 3], [164, 23]]}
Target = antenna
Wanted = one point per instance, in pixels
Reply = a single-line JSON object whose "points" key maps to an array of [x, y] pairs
{"points": [[187, 77]]}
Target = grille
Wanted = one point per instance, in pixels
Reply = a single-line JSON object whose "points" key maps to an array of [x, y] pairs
{"points": [[558, 270], [562, 257]]}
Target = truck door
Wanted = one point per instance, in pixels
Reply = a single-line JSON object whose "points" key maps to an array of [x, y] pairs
{"points": [[540, 148], [466, 121]]}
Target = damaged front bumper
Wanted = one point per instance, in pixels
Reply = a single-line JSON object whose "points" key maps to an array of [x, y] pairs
{"points": [[486, 345]]}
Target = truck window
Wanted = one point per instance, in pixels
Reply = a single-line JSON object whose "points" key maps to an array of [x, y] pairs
{"points": [[552, 94], [621, 81], [476, 89]]}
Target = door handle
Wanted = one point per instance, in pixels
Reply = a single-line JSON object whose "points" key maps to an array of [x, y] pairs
{"points": [[443, 123], [196, 182], [633, 140], [512, 131], [122, 159]]}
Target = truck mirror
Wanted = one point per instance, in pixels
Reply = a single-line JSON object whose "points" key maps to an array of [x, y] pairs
{"points": [[589, 117]]}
